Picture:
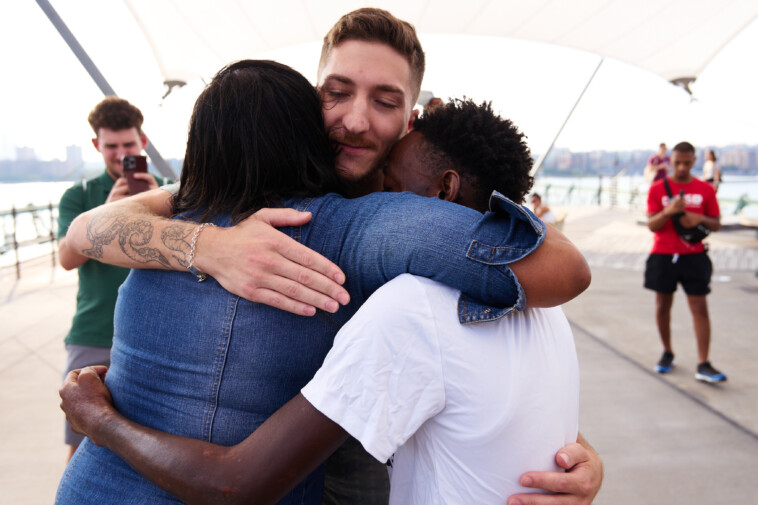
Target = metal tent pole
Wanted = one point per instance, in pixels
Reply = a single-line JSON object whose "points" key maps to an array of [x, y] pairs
{"points": [[543, 157], [160, 164]]}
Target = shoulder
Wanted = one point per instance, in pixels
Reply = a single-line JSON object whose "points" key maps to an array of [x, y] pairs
{"points": [[401, 291], [410, 299], [77, 192], [701, 186], [74, 191], [97, 181], [657, 186]]}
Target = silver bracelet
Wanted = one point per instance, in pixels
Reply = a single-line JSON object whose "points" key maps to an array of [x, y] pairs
{"points": [[200, 276]]}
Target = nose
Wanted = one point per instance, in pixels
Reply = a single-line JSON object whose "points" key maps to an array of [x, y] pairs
{"points": [[356, 119]]}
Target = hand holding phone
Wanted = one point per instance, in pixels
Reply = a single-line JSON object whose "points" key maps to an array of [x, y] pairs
{"points": [[131, 165]]}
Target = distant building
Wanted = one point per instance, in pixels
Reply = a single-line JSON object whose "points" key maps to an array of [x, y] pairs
{"points": [[738, 159], [25, 154], [6, 147], [74, 158]]}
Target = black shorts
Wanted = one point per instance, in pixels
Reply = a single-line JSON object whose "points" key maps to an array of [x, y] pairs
{"points": [[692, 271]]}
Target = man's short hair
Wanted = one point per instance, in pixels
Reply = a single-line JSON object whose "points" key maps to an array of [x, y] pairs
{"points": [[684, 147], [377, 25], [115, 114], [486, 149]]}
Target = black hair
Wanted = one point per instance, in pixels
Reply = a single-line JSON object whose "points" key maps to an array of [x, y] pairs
{"points": [[486, 149], [684, 147], [256, 136]]}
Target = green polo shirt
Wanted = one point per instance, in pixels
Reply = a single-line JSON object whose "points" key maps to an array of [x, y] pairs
{"points": [[98, 282]]}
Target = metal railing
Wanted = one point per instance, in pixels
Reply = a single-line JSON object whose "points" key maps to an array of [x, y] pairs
{"points": [[42, 219], [610, 192]]}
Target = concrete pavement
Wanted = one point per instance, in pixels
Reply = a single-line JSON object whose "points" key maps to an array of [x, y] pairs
{"points": [[664, 439]]}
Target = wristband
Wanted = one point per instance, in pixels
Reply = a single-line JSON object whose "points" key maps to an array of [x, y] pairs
{"points": [[194, 271]]}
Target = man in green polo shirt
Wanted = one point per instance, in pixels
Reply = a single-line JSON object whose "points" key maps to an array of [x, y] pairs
{"points": [[118, 128]]}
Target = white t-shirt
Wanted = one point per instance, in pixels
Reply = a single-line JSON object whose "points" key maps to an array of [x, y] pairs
{"points": [[709, 168], [549, 217], [465, 409]]}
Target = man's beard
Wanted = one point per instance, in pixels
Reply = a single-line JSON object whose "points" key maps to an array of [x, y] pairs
{"points": [[339, 137]]}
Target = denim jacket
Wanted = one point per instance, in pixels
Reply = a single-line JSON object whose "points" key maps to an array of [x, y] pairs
{"points": [[383, 235], [193, 359]]}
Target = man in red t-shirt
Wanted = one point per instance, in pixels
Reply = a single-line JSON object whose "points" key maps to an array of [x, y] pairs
{"points": [[673, 260]]}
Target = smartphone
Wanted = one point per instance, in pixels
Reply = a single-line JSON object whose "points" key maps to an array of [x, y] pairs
{"points": [[131, 165]]}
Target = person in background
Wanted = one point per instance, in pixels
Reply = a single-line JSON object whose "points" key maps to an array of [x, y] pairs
{"points": [[449, 446], [711, 171], [433, 104], [541, 210], [658, 165], [117, 125], [674, 261]]}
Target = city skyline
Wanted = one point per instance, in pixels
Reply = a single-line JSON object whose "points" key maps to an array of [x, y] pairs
{"points": [[739, 159]]}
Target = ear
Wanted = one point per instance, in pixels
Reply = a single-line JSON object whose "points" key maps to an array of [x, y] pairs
{"points": [[449, 186], [414, 114], [96, 143], [143, 139]]}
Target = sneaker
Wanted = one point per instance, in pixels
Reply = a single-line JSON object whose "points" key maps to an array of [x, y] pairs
{"points": [[706, 373], [666, 363]]}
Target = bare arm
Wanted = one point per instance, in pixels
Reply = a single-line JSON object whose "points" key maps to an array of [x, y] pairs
{"points": [[261, 469], [554, 273], [69, 258], [577, 486], [690, 220], [252, 259]]}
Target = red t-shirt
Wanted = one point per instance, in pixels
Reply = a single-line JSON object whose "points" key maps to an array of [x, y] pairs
{"points": [[699, 198]]}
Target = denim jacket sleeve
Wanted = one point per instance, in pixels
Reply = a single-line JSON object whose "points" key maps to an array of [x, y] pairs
{"points": [[380, 236]]}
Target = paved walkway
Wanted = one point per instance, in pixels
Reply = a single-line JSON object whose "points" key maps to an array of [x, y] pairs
{"points": [[664, 439]]}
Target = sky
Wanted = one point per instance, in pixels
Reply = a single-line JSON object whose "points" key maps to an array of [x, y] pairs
{"points": [[46, 93]]}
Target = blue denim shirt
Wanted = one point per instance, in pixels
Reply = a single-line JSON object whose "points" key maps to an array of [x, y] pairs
{"points": [[192, 359]]}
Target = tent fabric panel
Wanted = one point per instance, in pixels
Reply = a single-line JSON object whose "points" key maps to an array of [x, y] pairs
{"points": [[672, 38]]}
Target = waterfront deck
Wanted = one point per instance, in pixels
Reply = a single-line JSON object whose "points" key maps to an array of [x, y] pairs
{"points": [[664, 439]]}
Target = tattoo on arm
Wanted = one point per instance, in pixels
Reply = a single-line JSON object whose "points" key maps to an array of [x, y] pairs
{"points": [[132, 239], [132, 233], [176, 238], [101, 230]]}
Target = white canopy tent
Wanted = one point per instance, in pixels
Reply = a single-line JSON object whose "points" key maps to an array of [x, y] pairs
{"points": [[675, 39]]}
